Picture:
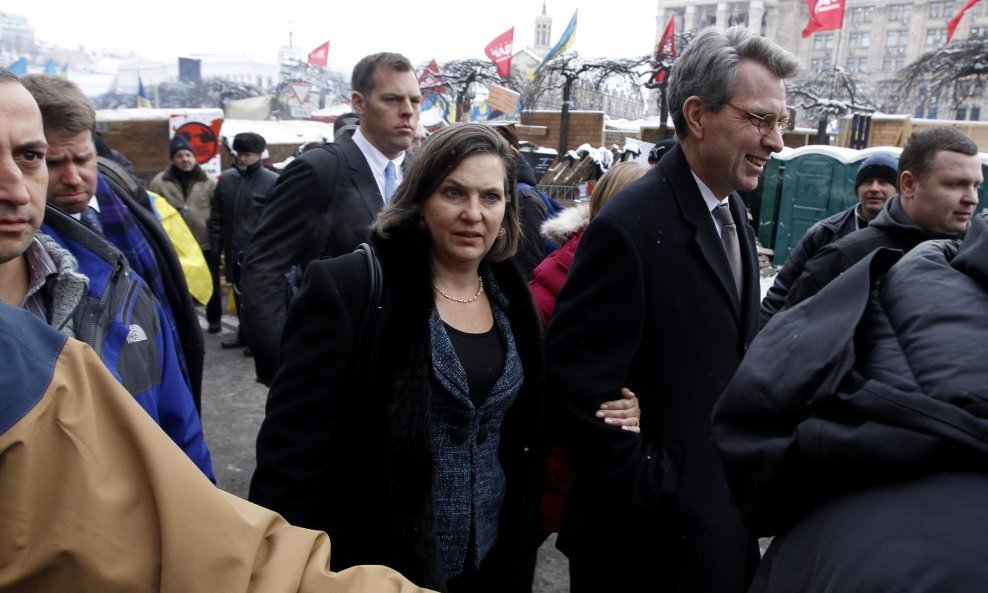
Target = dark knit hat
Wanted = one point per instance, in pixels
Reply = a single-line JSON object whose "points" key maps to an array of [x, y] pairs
{"points": [[179, 143], [345, 123], [882, 165], [659, 149], [249, 142]]}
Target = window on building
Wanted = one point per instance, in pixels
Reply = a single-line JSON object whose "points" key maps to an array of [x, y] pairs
{"points": [[896, 38], [919, 112], [887, 64], [975, 114], [862, 15], [931, 113], [900, 12], [935, 8], [859, 40], [948, 10], [961, 113], [900, 63], [936, 36], [862, 64]]}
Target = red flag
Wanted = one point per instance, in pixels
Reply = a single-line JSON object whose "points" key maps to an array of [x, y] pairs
{"points": [[499, 51], [666, 48], [319, 57], [957, 18], [825, 15], [430, 79]]}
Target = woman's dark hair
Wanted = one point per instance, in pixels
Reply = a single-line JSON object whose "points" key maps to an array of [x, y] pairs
{"points": [[439, 156]]}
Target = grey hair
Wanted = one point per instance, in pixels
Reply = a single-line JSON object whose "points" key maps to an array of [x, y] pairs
{"points": [[708, 68]]}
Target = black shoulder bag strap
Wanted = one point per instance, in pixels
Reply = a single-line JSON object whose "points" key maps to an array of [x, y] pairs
{"points": [[375, 280]]}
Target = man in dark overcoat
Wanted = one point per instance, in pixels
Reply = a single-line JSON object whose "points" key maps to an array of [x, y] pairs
{"points": [[663, 298]]}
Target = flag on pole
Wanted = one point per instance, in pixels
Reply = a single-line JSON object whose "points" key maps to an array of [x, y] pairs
{"points": [[499, 51], [569, 36], [18, 68], [666, 49], [431, 85], [142, 95], [51, 68], [64, 72], [825, 15], [319, 57], [952, 24]]}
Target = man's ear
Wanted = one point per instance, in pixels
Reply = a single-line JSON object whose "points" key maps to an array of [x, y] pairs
{"points": [[694, 113], [907, 185], [357, 103]]}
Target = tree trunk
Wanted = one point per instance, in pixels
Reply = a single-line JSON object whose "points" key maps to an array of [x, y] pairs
{"points": [[663, 111], [821, 131], [564, 118]]}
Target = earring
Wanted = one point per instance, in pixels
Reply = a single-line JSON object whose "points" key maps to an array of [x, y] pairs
{"points": [[501, 233]]}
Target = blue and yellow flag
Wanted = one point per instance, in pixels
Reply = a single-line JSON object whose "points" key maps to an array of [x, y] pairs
{"points": [[64, 72], [564, 43], [18, 68], [142, 94], [51, 68]]}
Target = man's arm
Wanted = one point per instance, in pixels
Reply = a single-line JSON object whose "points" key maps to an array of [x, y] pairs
{"points": [[283, 238], [124, 508], [775, 299], [591, 345], [818, 272]]}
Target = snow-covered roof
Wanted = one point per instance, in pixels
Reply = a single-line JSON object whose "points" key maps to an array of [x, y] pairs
{"points": [[844, 155], [338, 109], [135, 113], [287, 131]]}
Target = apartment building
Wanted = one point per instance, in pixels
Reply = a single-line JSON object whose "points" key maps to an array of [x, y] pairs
{"points": [[877, 41]]}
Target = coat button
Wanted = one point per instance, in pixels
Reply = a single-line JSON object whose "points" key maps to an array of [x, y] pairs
{"points": [[459, 436], [481, 436]]}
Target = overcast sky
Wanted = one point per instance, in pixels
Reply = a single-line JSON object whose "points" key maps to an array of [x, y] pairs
{"points": [[443, 30]]}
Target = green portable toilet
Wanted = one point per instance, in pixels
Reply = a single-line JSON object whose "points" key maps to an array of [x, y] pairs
{"points": [[804, 185]]}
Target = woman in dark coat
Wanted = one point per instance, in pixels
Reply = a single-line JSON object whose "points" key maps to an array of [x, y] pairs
{"points": [[856, 429], [419, 447]]}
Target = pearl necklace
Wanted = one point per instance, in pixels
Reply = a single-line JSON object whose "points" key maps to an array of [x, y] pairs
{"points": [[480, 290]]}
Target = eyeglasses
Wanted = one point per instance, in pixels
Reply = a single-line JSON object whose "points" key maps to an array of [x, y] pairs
{"points": [[765, 123]]}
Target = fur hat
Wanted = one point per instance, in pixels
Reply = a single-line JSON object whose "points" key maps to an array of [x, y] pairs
{"points": [[249, 142], [345, 123], [882, 165], [179, 143]]}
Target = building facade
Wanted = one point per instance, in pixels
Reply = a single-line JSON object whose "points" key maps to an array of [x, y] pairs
{"points": [[877, 41]]}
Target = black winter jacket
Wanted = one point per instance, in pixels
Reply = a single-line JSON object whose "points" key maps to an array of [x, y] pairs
{"points": [[892, 228], [856, 429], [236, 209], [818, 236]]}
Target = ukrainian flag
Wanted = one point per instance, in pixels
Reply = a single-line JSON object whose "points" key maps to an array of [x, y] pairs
{"points": [[142, 94], [564, 43]]}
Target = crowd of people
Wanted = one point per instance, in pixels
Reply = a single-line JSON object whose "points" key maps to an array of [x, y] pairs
{"points": [[458, 369]]}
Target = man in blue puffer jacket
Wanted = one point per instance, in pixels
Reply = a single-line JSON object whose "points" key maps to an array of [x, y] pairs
{"points": [[116, 314]]}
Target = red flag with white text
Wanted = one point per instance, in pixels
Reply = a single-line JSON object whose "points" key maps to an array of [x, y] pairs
{"points": [[825, 15], [952, 25], [666, 49], [319, 57], [499, 51]]}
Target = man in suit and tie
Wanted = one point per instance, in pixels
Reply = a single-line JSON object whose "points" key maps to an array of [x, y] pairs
{"points": [[325, 201], [663, 298]]}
